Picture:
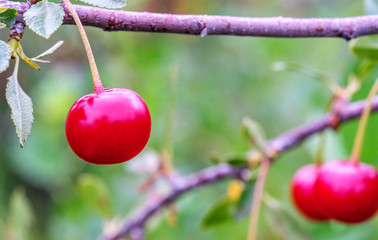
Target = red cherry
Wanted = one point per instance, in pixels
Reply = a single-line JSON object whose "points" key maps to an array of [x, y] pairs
{"points": [[108, 128], [347, 192], [303, 192]]}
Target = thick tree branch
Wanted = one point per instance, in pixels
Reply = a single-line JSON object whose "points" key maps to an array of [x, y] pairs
{"points": [[282, 143], [117, 20]]}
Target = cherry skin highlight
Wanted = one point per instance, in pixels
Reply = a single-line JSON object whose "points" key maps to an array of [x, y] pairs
{"points": [[303, 192], [347, 192], [108, 128]]}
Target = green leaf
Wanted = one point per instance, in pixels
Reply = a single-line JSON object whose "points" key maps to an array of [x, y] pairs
{"points": [[8, 16], [253, 132], [21, 106], [20, 216], [305, 70], [106, 4], [94, 193], [365, 47], [371, 7], [44, 18], [222, 211], [282, 222], [244, 204], [4, 56], [237, 161]]}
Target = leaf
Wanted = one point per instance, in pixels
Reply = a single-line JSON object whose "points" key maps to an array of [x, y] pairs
{"points": [[94, 193], [3, 9], [371, 7], [365, 47], [44, 18], [48, 51], [305, 70], [222, 211], [237, 161], [282, 222], [20, 216], [244, 204], [253, 132], [8, 16], [106, 4], [4, 56], [21, 106]]}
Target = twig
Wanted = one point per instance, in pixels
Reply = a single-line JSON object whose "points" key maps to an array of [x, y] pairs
{"points": [[118, 20], [282, 143], [182, 185]]}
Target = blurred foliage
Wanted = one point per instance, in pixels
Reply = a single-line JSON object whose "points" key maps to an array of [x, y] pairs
{"points": [[221, 80]]}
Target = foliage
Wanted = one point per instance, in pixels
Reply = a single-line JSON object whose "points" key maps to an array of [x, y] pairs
{"points": [[220, 81]]}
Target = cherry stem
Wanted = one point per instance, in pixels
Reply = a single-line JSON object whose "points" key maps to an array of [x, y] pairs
{"points": [[356, 151], [322, 137], [257, 196], [95, 75], [320, 151]]}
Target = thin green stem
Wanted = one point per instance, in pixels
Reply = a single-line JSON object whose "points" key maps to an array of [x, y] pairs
{"points": [[257, 196], [320, 154], [322, 138], [95, 75], [356, 151]]}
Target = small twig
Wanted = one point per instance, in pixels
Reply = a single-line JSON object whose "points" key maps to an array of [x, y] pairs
{"points": [[182, 185], [282, 143]]}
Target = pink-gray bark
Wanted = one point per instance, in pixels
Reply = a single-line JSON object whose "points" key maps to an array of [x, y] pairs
{"points": [[118, 20], [282, 143]]}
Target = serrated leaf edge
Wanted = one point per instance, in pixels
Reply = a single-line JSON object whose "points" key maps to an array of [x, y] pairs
{"points": [[46, 37], [97, 5], [8, 57], [19, 133]]}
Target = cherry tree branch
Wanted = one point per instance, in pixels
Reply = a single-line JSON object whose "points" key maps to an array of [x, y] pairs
{"points": [[118, 20], [281, 144]]}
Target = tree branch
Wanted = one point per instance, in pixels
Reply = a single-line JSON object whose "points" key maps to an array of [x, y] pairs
{"points": [[282, 143], [118, 20]]}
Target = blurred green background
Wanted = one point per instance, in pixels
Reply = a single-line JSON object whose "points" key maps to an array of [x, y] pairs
{"points": [[46, 192]]}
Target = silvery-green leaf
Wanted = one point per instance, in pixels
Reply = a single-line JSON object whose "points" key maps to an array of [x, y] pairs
{"points": [[21, 106], [106, 4], [44, 18], [4, 56], [49, 51]]}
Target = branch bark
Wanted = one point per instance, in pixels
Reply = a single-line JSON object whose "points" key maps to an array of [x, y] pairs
{"points": [[281, 144], [118, 20]]}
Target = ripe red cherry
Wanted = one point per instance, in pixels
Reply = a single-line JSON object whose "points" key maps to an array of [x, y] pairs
{"points": [[303, 192], [108, 128], [347, 192]]}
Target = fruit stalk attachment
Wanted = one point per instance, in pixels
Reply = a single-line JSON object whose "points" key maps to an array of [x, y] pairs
{"points": [[95, 75]]}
